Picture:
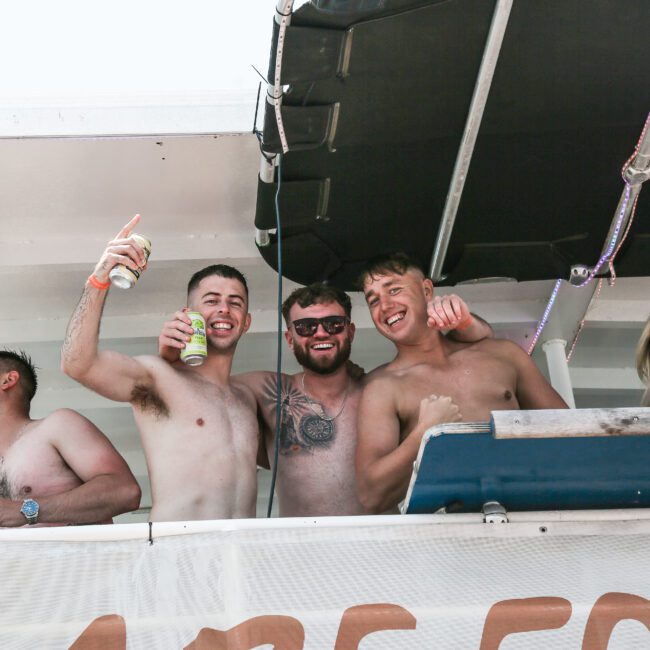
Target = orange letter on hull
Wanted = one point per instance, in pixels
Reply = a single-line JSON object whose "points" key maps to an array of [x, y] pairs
{"points": [[357, 622], [523, 615], [104, 633], [609, 610], [283, 632]]}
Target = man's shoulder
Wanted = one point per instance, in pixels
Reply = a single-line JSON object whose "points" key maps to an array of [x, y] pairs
{"points": [[243, 391], [259, 380], [64, 421], [256, 376], [504, 347], [63, 415], [505, 351], [154, 362], [382, 378], [162, 372], [252, 375], [497, 346]]}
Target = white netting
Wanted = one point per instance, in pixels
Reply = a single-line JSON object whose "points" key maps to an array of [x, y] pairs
{"points": [[166, 593]]}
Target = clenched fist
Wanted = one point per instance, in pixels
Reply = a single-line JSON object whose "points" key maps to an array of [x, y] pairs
{"points": [[448, 312], [436, 410]]}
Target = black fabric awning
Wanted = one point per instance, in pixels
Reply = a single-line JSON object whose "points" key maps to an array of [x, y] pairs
{"points": [[375, 109]]}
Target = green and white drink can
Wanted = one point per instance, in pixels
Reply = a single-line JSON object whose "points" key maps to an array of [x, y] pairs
{"points": [[122, 276], [196, 349]]}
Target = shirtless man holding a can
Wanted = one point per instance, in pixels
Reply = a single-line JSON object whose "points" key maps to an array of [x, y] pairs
{"points": [[199, 431], [318, 432]]}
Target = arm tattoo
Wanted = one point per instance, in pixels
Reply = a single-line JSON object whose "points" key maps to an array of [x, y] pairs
{"points": [[302, 429], [74, 326]]}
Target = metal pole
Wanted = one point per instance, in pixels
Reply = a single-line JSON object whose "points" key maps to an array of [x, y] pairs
{"points": [[558, 369], [635, 175], [267, 172], [472, 125]]}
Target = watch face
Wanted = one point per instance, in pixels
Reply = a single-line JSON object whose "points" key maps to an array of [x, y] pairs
{"points": [[30, 508]]}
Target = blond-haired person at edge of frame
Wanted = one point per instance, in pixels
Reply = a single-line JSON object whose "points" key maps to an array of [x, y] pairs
{"points": [[402, 399], [643, 362], [60, 469], [198, 430]]}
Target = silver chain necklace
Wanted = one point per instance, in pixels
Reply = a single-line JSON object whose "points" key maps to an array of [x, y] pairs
{"points": [[322, 415]]}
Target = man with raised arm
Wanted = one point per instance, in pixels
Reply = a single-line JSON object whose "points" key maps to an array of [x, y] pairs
{"points": [[59, 470], [199, 431], [400, 401], [318, 436]]}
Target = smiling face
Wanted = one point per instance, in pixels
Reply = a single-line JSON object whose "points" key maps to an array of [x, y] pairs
{"points": [[398, 303], [321, 352], [224, 305]]}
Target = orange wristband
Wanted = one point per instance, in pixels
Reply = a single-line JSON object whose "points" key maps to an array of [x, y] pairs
{"points": [[465, 324], [94, 282]]}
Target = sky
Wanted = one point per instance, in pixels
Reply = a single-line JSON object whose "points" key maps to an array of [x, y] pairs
{"points": [[77, 50]]}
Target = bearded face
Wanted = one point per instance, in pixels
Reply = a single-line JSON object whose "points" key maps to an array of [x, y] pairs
{"points": [[320, 351], [311, 357]]}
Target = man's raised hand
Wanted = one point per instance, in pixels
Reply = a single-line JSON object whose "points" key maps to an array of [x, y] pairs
{"points": [[174, 335], [448, 312], [123, 249]]}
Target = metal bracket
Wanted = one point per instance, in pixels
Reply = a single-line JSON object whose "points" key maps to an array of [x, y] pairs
{"points": [[494, 513], [579, 274], [635, 176]]}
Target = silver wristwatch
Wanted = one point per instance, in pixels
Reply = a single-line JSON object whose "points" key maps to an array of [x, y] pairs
{"points": [[30, 510]]}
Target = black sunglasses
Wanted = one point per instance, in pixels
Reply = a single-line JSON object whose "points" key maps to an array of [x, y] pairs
{"points": [[331, 324]]}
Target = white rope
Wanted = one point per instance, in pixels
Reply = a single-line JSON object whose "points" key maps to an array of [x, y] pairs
{"points": [[283, 18]]}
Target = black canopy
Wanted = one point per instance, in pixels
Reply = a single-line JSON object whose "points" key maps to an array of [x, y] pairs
{"points": [[377, 98]]}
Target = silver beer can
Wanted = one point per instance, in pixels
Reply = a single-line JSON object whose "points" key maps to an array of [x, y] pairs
{"points": [[122, 276], [195, 351]]}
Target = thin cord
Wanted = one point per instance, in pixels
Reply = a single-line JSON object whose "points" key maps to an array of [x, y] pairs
{"points": [[257, 107], [264, 79], [278, 378]]}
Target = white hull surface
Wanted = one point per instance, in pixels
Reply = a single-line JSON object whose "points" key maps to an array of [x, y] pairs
{"points": [[544, 580]]}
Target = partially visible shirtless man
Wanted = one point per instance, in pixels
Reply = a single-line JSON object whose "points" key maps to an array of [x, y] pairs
{"points": [[58, 470], [316, 475], [199, 431], [403, 399]]}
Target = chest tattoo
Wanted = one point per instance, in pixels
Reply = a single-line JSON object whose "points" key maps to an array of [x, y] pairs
{"points": [[301, 429]]}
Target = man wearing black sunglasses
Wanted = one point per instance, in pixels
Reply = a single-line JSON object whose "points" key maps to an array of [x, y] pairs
{"points": [[318, 434]]}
